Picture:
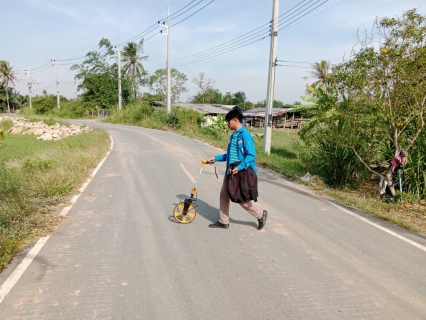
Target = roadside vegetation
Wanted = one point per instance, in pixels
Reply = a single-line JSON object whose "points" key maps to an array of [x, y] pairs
{"points": [[36, 177]]}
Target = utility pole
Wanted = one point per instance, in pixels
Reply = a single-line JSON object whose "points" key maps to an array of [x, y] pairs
{"points": [[57, 84], [30, 84], [38, 86], [169, 84], [119, 78], [271, 79]]}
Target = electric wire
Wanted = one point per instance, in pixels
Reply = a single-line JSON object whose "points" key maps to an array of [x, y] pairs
{"points": [[230, 42], [246, 40], [294, 61], [143, 33], [285, 27], [42, 66], [181, 20], [234, 47], [47, 67], [286, 65]]}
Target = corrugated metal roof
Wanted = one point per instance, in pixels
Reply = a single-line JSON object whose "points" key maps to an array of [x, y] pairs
{"points": [[224, 109], [206, 108], [203, 108], [260, 112]]}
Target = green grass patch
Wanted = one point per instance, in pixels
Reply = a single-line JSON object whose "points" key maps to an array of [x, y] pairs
{"points": [[36, 177]]}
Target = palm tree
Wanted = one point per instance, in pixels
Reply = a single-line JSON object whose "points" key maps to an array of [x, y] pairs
{"points": [[7, 76], [319, 72], [132, 55]]}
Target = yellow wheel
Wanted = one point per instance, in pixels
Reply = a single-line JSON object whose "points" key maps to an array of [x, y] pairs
{"points": [[184, 218]]}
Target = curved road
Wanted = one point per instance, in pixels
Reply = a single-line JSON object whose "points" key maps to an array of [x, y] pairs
{"points": [[120, 254]]}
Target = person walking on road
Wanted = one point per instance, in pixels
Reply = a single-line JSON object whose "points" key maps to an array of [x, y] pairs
{"points": [[240, 149]]}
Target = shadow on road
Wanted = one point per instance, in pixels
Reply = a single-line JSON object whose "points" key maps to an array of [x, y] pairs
{"points": [[210, 213]]}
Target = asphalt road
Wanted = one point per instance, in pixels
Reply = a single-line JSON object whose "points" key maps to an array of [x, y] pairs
{"points": [[121, 255]]}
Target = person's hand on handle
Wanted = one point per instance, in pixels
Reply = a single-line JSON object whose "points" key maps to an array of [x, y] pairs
{"points": [[210, 160], [234, 171]]}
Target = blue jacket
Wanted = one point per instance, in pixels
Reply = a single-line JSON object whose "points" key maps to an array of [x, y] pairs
{"points": [[246, 151]]}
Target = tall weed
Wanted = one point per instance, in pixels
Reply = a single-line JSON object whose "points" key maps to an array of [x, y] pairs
{"points": [[35, 177]]}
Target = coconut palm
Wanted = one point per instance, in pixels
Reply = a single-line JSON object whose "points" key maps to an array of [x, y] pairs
{"points": [[319, 72], [132, 55], [7, 77]]}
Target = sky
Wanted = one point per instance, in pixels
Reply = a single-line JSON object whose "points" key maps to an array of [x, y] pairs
{"points": [[35, 31]]}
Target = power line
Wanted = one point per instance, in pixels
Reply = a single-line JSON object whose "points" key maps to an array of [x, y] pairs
{"points": [[258, 36], [294, 61], [146, 31], [286, 65], [242, 36], [234, 46], [155, 25], [42, 66], [282, 28], [182, 20], [192, 14], [315, 15], [45, 68]]}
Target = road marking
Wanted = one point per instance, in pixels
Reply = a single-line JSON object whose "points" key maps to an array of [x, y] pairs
{"points": [[23, 265], [415, 244], [187, 173], [20, 269]]}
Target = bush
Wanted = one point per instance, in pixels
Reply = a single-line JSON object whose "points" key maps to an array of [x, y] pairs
{"points": [[132, 114], [337, 165], [146, 116], [44, 104], [184, 118]]}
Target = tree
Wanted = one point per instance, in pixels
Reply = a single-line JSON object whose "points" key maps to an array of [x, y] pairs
{"points": [[209, 96], [132, 55], [379, 93], [158, 83], [262, 104], [99, 78], [319, 72], [206, 93], [7, 78], [238, 97]]}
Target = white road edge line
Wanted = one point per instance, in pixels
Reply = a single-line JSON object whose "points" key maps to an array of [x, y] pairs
{"points": [[415, 244], [20, 269]]}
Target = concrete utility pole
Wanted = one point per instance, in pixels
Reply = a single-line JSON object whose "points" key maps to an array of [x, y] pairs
{"points": [[119, 79], [169, 84], [57, 84], [30, 84], [271, 79], [38, 86]]}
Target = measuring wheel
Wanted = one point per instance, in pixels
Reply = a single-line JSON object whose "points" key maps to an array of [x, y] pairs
{"points": [[184, 212]]}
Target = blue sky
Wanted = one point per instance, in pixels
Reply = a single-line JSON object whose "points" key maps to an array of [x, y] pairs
{"points": [[36, 31]]}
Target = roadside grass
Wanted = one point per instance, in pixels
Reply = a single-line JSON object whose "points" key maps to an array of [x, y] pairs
{"points": [[36, 177]]}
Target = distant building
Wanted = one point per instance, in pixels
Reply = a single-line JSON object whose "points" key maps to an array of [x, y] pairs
{"points": [[281, 117]]}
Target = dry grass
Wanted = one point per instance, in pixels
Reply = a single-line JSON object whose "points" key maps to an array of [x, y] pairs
{"points": [[36, 178]]}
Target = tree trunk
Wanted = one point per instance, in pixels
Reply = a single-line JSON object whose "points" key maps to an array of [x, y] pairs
{"points": [[7, 98]]}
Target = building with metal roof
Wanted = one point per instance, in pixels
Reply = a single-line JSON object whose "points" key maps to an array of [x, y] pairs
{"points": [[205, 108]]}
